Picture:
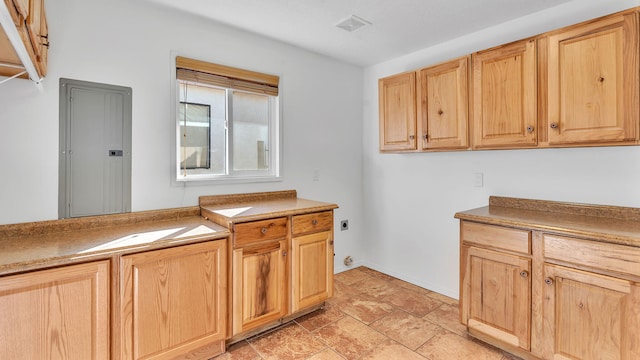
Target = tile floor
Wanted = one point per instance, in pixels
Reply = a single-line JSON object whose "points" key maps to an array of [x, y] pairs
{"points": [[371, 316]]}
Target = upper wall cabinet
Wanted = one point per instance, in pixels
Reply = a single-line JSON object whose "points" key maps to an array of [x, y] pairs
{"points": [[443, 105], [592, 86], [397, 101], [29, 19], [504, 96]]}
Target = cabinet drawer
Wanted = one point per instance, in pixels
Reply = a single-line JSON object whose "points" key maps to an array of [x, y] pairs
{"points": [[593, 254], [496, 237], [258, 231], [312, 222]]}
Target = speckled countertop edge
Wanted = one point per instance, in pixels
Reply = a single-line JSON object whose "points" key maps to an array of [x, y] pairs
{"points": [[611, 224], [39, 245]]}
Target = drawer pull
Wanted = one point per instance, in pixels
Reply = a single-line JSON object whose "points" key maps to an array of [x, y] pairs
{"points": [[548, 281], [314, 222], [524, 274], [263, 230]]}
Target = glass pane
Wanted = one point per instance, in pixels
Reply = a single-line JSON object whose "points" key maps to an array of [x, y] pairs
{"points": [[194, 139], [202, 119], [250, 131]]}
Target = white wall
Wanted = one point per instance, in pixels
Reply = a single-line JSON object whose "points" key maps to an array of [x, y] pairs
{"points": [[410, 199], [128, 43]]}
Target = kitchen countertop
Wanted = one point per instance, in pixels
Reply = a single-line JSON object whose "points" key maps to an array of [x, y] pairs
{"points": [[613, 224], [43, 244], [231, 209]]}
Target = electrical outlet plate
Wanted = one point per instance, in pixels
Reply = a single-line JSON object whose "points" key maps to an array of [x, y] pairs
{"points": [[344, 225]]}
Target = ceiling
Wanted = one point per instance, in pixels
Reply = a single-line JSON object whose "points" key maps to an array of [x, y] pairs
{"points": [[398, 27]]}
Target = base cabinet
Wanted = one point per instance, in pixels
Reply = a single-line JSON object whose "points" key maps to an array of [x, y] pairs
{"points": [[557, 296], [174, 302], [259, 279], [498, 293], [590, 316], [60, 313], [312, 259]]}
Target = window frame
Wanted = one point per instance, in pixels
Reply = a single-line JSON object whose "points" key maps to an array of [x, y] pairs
{"points": [[231, 176]]}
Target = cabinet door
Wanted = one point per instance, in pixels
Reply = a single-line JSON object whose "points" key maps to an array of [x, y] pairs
{"points": [[312, 274], [593, 81], [174, 302], [397, 102], [505, 96], [496, 295], [589, 316], [60, 313], [443, 105], [259, 285]]}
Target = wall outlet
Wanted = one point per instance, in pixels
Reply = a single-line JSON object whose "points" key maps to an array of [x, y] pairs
{"points": [[344, 225], [478, 179]]}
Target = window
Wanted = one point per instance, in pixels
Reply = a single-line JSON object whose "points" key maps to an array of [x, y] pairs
{"points": [[227, 123]]}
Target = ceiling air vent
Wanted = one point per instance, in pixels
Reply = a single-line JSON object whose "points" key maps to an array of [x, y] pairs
{"points": [[352, 23]]}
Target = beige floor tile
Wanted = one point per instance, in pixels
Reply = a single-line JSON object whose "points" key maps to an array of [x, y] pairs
{"points": [[326, 354], [407, 329], [365, 309], [351, 276], [445, 299], [350, 338], [287, 343], [394, 351], [240, 351], [448, 317], [375, 287], [450, 346], [412, 302], [375, 273], [410, 286], [317, 319]]}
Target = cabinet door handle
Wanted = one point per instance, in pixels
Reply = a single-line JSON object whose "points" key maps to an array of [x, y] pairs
{"points": [[554, 125], [314, 222], [548, 281], [284, 253], [530, 129], [411, 137], [263, 230], [524, 274]]}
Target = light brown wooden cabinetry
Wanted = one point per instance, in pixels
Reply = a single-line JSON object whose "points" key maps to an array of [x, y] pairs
{"points": [[593, 81], [495, 284], [443, 105], [31, 24], [312, 259], [591, 305], [505, 96], [259, 285], [554, 281], [259, 273], [174, 302], [60, 313], [397, 102]]}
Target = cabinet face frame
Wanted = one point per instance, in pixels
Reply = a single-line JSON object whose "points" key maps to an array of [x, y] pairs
{"points": [[57, 301], [574, 301], [504, 104], [397, 112], [480, 269], [158, 309], [443, 105], [595, 97]]}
